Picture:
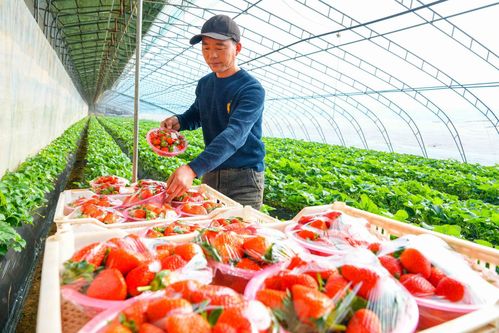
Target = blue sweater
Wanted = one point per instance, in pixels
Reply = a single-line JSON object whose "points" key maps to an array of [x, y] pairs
{"points": [[230, 112]]}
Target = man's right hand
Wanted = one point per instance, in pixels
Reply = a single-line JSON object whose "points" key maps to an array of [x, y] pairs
{"points": [[171, 123]]}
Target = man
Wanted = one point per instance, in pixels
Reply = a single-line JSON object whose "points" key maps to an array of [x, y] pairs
{"points": [[228, 107]]}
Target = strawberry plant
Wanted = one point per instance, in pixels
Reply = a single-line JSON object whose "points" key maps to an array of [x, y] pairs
{"points": [[443, 195], [24, 190], [104, 156]]}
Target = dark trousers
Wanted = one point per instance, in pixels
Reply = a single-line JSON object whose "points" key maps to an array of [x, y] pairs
{"points": [[242, 185]]}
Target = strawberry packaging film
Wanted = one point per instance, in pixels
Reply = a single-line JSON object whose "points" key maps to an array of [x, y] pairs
{"points": [[237, 250], [108, 184], [185, 306], [331, 232], [106, 273], [349, 293], [149, 211], [442, 280]]}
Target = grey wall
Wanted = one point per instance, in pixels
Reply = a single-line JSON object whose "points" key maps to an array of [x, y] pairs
{"points": [[38, 100]]}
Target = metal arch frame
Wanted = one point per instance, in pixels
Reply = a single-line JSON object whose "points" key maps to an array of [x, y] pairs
{"points": [[277, 125], [269, 129], [403, 89], [416, 131], [489, 54], [349, 117], [424, 64]]}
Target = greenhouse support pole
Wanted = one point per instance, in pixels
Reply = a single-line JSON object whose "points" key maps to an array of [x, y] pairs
{"points": [[136, 108]]}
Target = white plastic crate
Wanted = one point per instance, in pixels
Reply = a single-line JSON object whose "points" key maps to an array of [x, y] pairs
{"points": [[54, 313], [87, 224], [484, 260], [249, 214]]}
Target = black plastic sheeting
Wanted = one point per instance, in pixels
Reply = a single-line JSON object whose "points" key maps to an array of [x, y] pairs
{"points": [[17, 268]]}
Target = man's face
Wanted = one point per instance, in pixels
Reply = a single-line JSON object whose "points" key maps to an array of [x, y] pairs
{"points": [[220, 55]]}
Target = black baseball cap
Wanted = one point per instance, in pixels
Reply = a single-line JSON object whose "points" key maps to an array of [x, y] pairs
{"points": [[218, 27]]}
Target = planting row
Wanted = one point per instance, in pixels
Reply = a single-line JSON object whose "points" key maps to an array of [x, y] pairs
{"points": [[299, 175], [24, 190], [104, 156]]}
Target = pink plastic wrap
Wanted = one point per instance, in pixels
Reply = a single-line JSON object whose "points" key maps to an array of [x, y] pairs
{"points": [[184, 306], [148, 211], [99, 200], [191, 209], [103, 214], [237, 255], [442, 281], [102, 275], [344, 290], [146, 195], [177, 146], [331, 232], [192, 195], [108, 184]]}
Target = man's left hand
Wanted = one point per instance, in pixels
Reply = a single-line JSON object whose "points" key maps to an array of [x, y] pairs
{"points": [[179, 182]]}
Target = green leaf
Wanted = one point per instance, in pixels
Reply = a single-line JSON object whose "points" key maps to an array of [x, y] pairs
{"points": [[401, 215], [453, 230]]}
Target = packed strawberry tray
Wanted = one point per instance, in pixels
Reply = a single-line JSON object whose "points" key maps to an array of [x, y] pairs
{"points": [[141, 204], [231, 273]]}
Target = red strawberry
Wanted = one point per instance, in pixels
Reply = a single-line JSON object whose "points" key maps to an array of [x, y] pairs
{"points": [[417, 285], [309, 303], [364, 321], [374, 247], [173, 262], [116, 327], [392, 265], [296, 261], [255, 247], [307, 234], [363, 276], [93, 254], [183, 288], [140, 276], [318, 224], [123, 260], [332, 215], [164, 250], [289, 280], [224, 328], [216, 295], [229, 246], [271, 298], [135, 313], [436, 276], [415, 262], [306, 218], [192, 323], [274, 282], [150, 328], [188, 250], [336, 284], [160, 308], [235, 318], [108, 284], [247, 263], [451, 289], [324, 275]]}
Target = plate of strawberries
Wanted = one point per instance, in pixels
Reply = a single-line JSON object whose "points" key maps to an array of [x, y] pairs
{"points": [[166, 142]]}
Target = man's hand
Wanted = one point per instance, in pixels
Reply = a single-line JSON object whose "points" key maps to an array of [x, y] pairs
{"points": [[171, 123], [179, 182]]}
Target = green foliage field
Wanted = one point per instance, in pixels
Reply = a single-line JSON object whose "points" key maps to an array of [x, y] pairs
{"points": [[446, 196]]}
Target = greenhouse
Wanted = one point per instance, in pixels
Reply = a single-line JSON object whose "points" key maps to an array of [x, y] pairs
{"points": [[249, 166]]}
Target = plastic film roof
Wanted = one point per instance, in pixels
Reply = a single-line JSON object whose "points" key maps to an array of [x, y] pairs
{"points": [[413, 76]]}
